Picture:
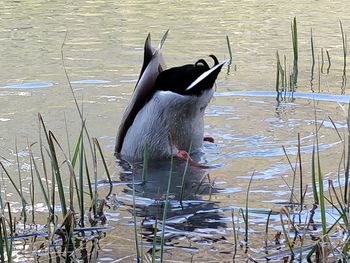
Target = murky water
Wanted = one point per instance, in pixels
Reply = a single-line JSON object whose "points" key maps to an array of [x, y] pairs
{"points": [[103, 55]]}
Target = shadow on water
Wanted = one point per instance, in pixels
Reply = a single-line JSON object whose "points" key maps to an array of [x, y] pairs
{"points": [[194, 215]]}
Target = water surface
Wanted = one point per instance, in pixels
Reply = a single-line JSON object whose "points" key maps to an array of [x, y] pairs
{"points": [[103, 55]]}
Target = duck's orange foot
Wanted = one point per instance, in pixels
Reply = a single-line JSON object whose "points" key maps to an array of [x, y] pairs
{"points": [[183, 155], [208, 139]]}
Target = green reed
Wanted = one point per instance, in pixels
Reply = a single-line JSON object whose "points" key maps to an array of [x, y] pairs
{"points": [[20, 193], [294, 76], [138, 254], [319, 73], [292, 188], [300, 173], [345, 51], [313, 176], [54, 166], [109, 178], [93, 200], [54, 153], [229, 48], [165, 210], [320, 179], [347, 167], [267, 228], [322, 60], [329, 61], [290, 243], [184, 176], [6, 245], [31, 186], [235, 235], [313, 60], [81, 180], [245, 214], [278, 73], [24, 204], [154, 243]]}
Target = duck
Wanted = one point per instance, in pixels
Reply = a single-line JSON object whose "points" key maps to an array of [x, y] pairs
{"points": [[165, 116]]}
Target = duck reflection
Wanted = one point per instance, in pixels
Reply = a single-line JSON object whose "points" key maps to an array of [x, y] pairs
{"points": [[190, 213]]}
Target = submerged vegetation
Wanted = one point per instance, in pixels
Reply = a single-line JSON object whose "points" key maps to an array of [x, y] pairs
{"points": [[313, 225]]}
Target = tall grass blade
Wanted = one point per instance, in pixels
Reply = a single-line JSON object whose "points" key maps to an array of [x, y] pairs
{"points": [[2, 190], [300, 174], [278, 76], [42, 126], [67, 136], [345, 51], [234, 234], [138, 256], [313, 176], [267, 228], [286, 232], [91, 193], [319, 73], [320, 181], [313, 60], [23, 212], [31, 186], [329, 61], [6, 241], [340, 208], [183, 182], [105, 166], [72, 91], [57, 172], [291, 200], [165, 210], [246, 216], [81, 179], [295, 54], [184, 176], [13, 184], [94, 157], [154, 243], [347, 167], [2, 242], [77, 147], [229, 49], [322, 60]]}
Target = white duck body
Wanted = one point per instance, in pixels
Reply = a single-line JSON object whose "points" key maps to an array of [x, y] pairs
{"points": [[169, 122]]}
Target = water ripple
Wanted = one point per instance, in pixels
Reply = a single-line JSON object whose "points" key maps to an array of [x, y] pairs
{"points": [[300, 95], [29, 85]]}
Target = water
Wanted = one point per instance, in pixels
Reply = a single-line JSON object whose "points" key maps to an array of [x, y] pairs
{"points": [[103, 55]]}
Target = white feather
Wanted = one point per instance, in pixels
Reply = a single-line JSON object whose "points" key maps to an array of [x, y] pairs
{"points": [[205, 74]]}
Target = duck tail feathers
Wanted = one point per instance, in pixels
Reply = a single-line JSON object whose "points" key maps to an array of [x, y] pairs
{"points": [[144, 88], [209, 75]]}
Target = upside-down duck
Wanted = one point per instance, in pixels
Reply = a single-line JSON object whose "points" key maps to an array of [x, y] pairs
{"points": [[165, 114]]}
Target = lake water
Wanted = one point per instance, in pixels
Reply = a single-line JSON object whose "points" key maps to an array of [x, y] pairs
{"points": [[103, 52]]}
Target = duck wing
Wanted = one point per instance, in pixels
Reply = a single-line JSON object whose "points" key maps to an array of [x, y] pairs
{"points": [[144, 88]]}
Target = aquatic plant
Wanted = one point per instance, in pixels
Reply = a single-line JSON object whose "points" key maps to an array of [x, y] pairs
{"points": [[345, 51], [295, 72]]}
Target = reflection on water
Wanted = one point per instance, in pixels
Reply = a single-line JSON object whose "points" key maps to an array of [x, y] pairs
{"points": [[103, 55], [204, 203], [191, 212], [29, 85]]}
